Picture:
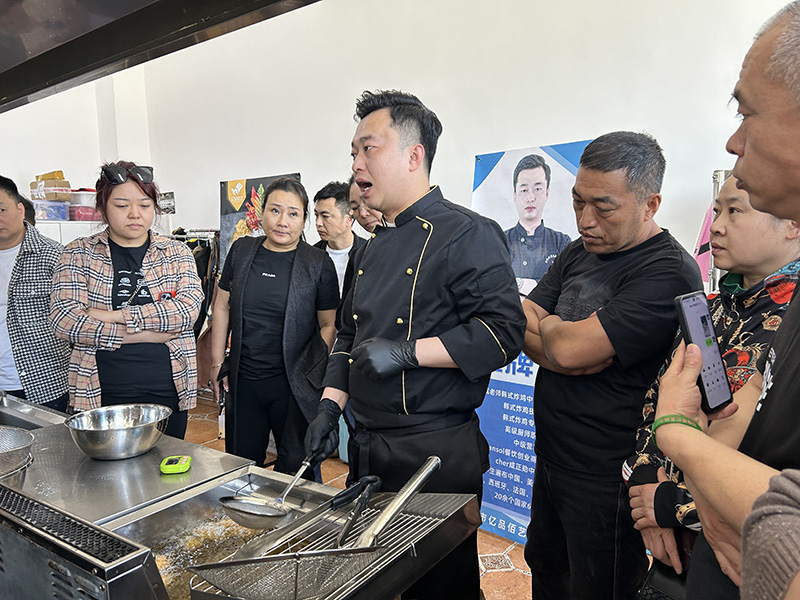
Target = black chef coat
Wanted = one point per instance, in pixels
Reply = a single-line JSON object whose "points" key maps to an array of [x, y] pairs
{"points": [[443, 271]]}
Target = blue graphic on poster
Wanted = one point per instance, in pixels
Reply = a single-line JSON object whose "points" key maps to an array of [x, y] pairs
{"points": [[507, 422], [521, 190]]}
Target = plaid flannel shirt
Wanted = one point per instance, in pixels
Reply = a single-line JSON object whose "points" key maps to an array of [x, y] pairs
{"points": [[84, 278], [40, 358]]}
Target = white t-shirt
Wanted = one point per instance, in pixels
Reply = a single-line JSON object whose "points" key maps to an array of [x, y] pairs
{"points": [[339, 258], [9, 380]]}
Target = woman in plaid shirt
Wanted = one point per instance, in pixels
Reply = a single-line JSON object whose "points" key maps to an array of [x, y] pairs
{"points": [[126, 299]]}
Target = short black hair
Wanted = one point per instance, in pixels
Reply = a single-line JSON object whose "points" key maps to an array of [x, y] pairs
{"points": [[337, 190], [290, 185], [350, 183], [414, 121], [30, 212], [532, 161], [10, 188], [638, 154]]}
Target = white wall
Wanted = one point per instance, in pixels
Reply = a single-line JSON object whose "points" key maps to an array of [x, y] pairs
{"points": [[278, 96], [59, 132]]}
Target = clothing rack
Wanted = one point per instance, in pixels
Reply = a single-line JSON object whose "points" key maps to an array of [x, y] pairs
{"points": [[196, 234], [206, 253]]}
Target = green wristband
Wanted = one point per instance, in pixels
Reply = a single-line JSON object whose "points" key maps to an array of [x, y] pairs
{"points": [[672, 419]]}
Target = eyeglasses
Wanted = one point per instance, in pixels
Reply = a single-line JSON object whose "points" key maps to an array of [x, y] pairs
{"points": [[116, 175]]}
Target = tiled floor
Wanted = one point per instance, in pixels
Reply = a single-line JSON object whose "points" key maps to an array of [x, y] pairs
{"points": [[504, 574]]}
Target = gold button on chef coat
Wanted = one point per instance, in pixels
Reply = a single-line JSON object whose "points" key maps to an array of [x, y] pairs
{"points": [[399, 321], [409, 271]]}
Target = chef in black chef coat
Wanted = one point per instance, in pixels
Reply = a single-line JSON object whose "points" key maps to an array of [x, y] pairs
{"points": [[433, 310]]}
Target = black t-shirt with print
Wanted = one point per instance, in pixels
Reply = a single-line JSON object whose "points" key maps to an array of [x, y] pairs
{"points": [[263, 312], [133, 369], [264, 309], [773, 436]]}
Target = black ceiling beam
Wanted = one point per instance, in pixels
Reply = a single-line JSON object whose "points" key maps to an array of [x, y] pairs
{"points": [[150, 32]]}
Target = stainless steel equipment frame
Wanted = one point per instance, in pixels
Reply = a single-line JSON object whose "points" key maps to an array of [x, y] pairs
{"points": [[48, 553], [429, 528]]}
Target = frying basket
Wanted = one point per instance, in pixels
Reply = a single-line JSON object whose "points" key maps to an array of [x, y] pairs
{"points": [[298, 576]]}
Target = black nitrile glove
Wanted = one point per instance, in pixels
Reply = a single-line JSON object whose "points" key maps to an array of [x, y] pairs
{"points": [[322, 435], [380, 358]]}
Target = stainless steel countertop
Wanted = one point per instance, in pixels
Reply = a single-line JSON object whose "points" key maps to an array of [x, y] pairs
{"points": [[99, 491], [20, 413]]}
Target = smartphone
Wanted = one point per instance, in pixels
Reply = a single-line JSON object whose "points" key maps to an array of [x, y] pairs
{"points": [[698, 328]]}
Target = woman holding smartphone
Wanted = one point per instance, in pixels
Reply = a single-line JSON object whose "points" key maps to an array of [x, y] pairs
{"points": [[127, 299], [761, 255]]}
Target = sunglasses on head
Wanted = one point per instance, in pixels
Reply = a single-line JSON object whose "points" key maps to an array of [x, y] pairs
{"points": [[117, 175]]}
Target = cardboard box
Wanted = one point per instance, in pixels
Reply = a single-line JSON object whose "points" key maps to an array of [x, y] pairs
{"points": [[51, 175], [51, 189]]}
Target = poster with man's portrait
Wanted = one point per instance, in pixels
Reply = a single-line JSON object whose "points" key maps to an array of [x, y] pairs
{"points": [[529, 193]]}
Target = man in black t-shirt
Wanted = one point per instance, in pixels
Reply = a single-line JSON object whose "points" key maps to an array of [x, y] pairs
{"points": [[599, 325], [725, 482]]}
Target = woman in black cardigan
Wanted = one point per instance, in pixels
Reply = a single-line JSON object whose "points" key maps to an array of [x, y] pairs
{"points": [[277, 297]]}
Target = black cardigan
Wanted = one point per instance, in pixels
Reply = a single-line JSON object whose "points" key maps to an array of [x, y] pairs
{"points": [[305, 353]]}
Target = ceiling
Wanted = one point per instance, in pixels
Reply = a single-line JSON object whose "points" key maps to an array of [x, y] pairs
{"points": [[48, 46]]}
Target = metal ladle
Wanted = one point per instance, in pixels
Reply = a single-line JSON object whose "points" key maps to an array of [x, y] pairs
{"points": [[257, 513]]}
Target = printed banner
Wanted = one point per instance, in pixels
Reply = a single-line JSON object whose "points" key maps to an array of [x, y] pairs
{"points": [[702, 247], [529, 193]]}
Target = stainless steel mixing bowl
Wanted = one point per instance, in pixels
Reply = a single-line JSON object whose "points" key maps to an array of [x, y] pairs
{"points": [[121, 431]]}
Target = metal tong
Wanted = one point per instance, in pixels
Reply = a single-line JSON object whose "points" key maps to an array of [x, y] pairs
{"points": [[259, 546], [403, 497], [306, 574], [358, 508]]}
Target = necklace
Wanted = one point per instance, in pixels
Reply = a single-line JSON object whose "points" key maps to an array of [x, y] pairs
{"points": [[136, 291]]}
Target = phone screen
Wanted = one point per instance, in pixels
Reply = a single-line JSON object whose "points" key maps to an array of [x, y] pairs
{"points": [[699, 329]]}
